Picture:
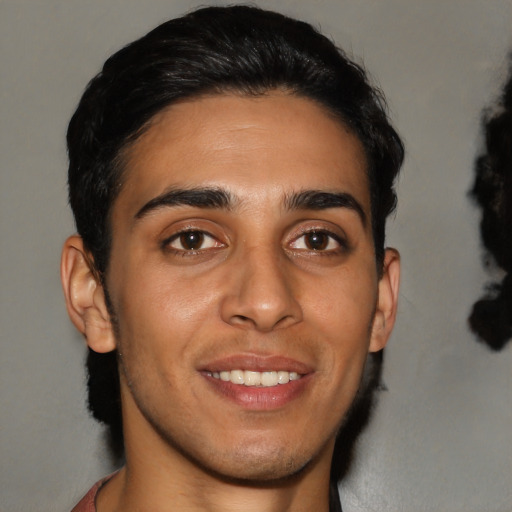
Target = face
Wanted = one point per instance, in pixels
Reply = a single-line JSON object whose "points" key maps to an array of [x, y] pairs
{"points": [[244, 281]]}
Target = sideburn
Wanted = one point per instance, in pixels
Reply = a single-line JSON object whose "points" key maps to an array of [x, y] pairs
{"points": [[104, 394]]}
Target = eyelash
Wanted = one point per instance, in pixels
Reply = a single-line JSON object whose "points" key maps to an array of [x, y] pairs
{"points": [[342, 244], [166, 244]]}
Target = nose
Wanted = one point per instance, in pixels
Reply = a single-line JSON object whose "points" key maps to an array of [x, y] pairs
{"points": [[260, 293]]}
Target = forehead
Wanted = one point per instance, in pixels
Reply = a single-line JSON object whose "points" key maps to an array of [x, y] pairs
{"points": [[256, 147]]}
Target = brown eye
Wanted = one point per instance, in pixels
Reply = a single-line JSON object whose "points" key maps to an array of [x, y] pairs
{"points": [[316, 241], [321, 241], [191, 240]]}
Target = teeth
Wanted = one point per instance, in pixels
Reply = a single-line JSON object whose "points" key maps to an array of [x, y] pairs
{"points": [[283, 377], [236, 376], [250, 378], [269, 379]]}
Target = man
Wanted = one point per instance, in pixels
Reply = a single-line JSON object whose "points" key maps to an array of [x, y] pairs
{"points": [[230, 175]]}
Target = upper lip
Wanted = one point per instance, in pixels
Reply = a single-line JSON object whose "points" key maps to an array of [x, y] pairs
{"points": [[257, 363]]}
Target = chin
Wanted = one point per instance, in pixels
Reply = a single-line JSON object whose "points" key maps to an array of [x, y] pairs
{"points": [[256, 470], [258, 463]]}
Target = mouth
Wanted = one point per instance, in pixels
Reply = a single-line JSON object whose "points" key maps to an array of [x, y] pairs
{"points": [[265, 379], [258, 382]]}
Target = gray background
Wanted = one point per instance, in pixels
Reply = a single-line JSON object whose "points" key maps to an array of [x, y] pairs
{"points": [[441, 439]]}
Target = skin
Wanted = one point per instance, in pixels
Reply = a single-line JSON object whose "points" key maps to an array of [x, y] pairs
{"points": [[258, 285]]}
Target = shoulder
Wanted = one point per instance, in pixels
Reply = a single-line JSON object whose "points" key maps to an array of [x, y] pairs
{"points": [[88, 502]]}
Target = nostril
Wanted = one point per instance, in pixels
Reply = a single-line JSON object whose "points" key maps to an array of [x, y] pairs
{"points": [[283, 322], [242, 321]]}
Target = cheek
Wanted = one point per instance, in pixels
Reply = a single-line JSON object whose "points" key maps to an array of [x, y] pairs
{"points": [[344, 303], [343, 311], [160, 311]]}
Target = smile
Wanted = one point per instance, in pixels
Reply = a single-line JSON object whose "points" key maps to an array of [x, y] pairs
{"points": [[254, 378]]}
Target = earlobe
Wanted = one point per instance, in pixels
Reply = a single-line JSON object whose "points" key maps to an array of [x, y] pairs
{"points": [[387, 302], [85, 299]]}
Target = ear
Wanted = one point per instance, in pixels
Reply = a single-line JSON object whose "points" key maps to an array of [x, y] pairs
{"points": [[85, 300], [387, 302]]}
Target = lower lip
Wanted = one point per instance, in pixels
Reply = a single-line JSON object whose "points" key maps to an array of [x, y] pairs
{"points": [[260, 398]]}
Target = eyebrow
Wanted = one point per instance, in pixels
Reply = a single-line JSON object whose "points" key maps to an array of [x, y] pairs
{"points": [[218, 198], [196, 197], [320, 200]]}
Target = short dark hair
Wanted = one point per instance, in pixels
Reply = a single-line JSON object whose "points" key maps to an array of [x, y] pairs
{"points": [[212, 50]]}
